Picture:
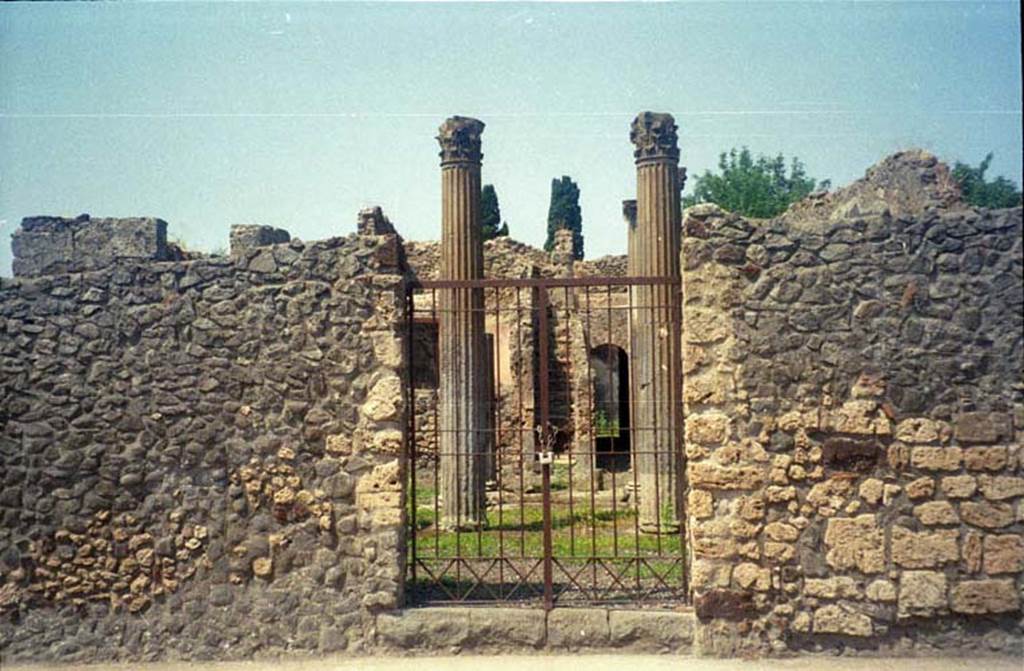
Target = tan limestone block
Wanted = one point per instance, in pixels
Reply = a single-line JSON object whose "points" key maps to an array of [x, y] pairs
{"points": [[710, 428], [986, 515], [924, 549], [751, 576], [985, 596], [383, 399], [871, 490], [958, 486], [710, 574], [1001, 487], [922, 594], [774, 494], [936, 513], [923, 431], [779, 553], [936, 458], [838, 587], [781, 532], [986, 458], [835, 619], [751, 508], [714, 548], [855, 543], [922, 488], [1004, 554], [714, 476], [831, 492], [339, 444], [972, 552], [262, 567], [700, 503], [881, 590]]}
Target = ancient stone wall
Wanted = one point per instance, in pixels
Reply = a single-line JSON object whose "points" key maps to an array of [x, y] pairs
{"points": [[854, 422], [200, 459]]}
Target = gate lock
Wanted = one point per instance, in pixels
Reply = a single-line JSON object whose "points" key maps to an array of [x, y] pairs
{"points": [[546, 457]]}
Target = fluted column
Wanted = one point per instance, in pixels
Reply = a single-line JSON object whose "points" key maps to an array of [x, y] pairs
{"points": [[657, 370], [462, 411]]}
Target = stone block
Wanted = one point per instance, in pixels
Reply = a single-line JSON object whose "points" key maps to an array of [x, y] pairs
{"points": [[958, 486], [924, 549], [838, 587], [751, 576], [707, 428], [725, 604], [1003, 554], [999, 487], [871, 490], [987, 515], [836, 619], [936, 513], [922, 594], [922, 431], [976, 597], [507, 628], [572, 629], [936, 458], [881, 590], [247, 237], [986, 458], [921, 488], [652, 631], [700, 504], [855, 543], [710, 475], [424, 628], [982, 427]]}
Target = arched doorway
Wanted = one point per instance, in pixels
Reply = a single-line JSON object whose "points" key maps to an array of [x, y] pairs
{"points": [[610, 368]]}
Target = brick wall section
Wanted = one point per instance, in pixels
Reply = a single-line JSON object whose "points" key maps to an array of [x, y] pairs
{"points": [[854, 428], [201, 459]]}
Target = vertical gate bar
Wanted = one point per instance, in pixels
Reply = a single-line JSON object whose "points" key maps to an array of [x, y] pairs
{"points": [[655, 396], [410, 452], [437, 426], [542, 300], [569, 400], [634, 399], [522, 420], [495, 398], [593, 438], [615, 514]]}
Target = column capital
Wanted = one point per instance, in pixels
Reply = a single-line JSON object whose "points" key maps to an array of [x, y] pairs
{"points": [[459, 137], [629, 211], [654, 135]]}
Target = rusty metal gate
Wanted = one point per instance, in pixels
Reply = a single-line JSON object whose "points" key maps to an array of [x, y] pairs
{"points": [[565, 454]]}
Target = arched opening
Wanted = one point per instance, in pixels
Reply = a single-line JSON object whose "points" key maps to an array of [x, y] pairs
{"points": [[610, 367]]}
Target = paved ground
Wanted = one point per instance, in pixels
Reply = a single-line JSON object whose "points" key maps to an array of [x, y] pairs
{"points": [[570, 663]]}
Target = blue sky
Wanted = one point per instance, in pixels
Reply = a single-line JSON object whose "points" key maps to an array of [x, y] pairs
{"points": [[298, 114]]}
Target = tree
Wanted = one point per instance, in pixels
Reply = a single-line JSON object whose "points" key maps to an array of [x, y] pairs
{"points": [[998, 193], [490, 214], [564, 212], [754, 187]]}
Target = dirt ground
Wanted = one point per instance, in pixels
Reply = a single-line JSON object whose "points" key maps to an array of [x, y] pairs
{"points": [[564, 663]]}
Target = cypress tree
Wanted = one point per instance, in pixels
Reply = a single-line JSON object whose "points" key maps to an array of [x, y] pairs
{"points": [[490, 214], [564, 212]]}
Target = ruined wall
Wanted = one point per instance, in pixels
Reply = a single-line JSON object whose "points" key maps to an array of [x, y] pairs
{"points": [[200, 459], [854, 421]]}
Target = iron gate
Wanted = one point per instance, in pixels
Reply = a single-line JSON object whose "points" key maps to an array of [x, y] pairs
{"points": [[561, 452]]}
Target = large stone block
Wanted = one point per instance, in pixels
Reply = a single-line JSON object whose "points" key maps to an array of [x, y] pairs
{"points": [[999, 487], [247, 237], [936, 458], [836, 619], [982, 427], [924, 549], [985, 458], [855, 543], [714, 476], [578, 628], [1003, 554], [652, 631], [987, 515], [985, 596], [922, 594]]}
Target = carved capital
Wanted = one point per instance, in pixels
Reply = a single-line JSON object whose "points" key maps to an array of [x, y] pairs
{"points": [[654, 135], [629, 212], [459, 137]]}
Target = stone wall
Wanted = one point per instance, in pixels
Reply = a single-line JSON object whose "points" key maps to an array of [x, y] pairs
{"points": [[201, 459], [854, 421]]}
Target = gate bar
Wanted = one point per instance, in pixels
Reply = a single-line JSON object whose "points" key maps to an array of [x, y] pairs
{"points": [[545, 427]]}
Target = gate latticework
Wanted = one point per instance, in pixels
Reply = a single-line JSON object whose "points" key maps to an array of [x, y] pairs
{"points": [[578, 484]]}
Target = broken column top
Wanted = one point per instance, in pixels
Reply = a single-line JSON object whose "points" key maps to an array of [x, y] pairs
{"points": [[654, 135], [459, 137], [629, 211]]}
